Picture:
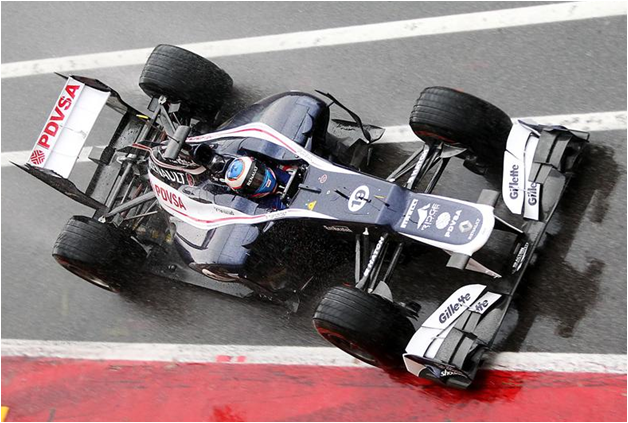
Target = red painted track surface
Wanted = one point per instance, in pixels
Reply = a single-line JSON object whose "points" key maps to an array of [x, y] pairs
{"points": [[90, 390]]}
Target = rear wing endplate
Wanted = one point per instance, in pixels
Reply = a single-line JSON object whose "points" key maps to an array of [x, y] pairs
{"points": [[63, 185]]}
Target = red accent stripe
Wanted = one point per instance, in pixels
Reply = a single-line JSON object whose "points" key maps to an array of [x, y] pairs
{"points": [[228, 133], [77, 390], [272, 136], [141, 147], [222, 219]]}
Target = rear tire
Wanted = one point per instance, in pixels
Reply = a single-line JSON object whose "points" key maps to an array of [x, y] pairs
{"points": [[100, 253], [366, 326], [183, 76], [457, 118]]}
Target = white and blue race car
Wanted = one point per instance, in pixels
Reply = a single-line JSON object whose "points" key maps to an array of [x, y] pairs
{"points": [[163, 207]]}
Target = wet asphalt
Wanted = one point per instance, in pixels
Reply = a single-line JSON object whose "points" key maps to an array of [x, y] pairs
{"points": [[573, 298]]}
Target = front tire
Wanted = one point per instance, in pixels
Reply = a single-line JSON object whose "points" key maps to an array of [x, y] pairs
{"points": [[457, 118], [366, 326], [100, 253]]}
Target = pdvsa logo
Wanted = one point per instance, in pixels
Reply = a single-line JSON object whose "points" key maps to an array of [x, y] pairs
{"points": [[169, 197], [452, 223], [37, 157], [57, 116]]}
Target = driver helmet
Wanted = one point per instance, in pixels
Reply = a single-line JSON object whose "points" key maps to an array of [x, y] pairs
{"points": [[250, 177]]}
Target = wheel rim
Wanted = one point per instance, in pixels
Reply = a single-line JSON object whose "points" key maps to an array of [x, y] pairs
{"points": [[90, 277], [349, 347], [216, 276]]}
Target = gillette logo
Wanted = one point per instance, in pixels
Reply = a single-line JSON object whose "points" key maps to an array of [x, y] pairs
{"points": [[533, 194], [453, 308], [514, 181]]}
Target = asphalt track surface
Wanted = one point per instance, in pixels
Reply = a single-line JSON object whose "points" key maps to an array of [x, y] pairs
{"points": [[573, 298]]}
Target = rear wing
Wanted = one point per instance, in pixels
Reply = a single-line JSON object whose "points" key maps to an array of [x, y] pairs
{"points": [[64, 135], [67, 127]]}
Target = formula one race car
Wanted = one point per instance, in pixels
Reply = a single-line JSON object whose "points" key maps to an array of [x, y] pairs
{"points": [[263, 201]]}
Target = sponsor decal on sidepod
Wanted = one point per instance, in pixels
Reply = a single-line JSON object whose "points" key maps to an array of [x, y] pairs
{"points": [[169, 197]]}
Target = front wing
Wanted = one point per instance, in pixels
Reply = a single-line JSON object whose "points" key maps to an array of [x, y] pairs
{"points": [[449, 346]]}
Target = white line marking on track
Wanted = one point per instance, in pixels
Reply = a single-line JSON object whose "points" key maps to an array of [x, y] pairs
{"points": [[505, 18], [558, 362], [605, 121], [285, 355]]}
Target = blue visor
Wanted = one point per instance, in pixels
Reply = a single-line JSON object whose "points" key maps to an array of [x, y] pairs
{"points": [[235, 169]]}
